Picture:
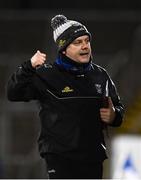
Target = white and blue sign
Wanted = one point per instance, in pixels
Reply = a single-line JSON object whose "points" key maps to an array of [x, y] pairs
{"points": [[126, 157]]}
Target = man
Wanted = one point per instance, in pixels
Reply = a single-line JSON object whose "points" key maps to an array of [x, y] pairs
{"points": [[71, 92]]}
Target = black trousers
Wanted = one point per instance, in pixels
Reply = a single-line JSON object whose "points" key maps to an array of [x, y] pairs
{"points": [[64, 168]]}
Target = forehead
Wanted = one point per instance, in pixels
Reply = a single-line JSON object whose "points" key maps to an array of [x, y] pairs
{"points": [[82, 37]]}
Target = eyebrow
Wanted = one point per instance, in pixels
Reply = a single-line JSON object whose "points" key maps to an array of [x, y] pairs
{"points": [[79, 39]]}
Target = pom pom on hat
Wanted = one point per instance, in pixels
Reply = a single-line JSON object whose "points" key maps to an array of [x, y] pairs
{"points": [[65, 31], [57, 21]]}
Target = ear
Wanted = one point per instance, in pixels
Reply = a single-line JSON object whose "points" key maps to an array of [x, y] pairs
{"points": [[63, 52]]}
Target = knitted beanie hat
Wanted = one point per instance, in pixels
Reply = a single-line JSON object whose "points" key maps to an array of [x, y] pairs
{"points": [[65, 31]]}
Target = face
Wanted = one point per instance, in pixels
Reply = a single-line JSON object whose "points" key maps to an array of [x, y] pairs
{"points": [[79, 50]]}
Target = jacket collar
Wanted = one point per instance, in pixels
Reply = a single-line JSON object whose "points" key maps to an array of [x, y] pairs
{"points": [[68, 64]]}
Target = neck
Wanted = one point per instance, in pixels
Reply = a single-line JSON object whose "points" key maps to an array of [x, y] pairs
{"points": [[72, 66]]}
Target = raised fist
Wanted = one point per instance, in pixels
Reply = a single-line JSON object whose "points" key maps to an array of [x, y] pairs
{"points": [[38, 59]]}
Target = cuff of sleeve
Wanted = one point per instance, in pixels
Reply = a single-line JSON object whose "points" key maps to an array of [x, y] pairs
{"points": [[28, 67]]}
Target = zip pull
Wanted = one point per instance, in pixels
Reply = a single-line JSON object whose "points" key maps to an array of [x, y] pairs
{"points": [[107, 89], [105, 99]]}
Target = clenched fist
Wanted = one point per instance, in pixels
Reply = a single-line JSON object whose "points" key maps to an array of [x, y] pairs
{"points": [[38, 59], [108, 114]]}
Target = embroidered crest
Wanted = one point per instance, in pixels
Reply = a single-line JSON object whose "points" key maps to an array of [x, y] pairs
{"points": [[61, 43], [67, 89], [98, 88]]}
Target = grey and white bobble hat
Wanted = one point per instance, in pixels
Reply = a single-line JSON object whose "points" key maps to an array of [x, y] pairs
{"points": [[65, 31]]}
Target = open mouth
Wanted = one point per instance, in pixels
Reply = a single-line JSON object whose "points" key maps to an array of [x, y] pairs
{"points": [[83, 54]]}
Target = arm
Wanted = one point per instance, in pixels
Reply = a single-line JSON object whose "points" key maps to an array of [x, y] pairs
{"points": [[20, 84], [113, 115]]}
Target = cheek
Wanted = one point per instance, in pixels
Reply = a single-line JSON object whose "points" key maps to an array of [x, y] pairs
{"points": [[71, 52], [72, 55]]}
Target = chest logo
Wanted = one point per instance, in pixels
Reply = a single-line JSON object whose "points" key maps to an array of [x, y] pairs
{"points": [[98, 88], [67, 89]]}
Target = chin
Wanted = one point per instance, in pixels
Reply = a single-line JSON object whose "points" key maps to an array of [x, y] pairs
{"points": [[84, 60]]}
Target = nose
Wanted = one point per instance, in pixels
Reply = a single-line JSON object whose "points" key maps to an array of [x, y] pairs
{"points": [[84, 45]]}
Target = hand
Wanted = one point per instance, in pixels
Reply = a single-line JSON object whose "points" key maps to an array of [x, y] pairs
{"points": [[38, 59], [108, 114]]}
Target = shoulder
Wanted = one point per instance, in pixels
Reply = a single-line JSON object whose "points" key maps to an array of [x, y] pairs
{"points": [[47, 71], [98, 68]]}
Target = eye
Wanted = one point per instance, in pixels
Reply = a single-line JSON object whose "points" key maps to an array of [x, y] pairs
{"points": [[76, 42], [87, 40]]}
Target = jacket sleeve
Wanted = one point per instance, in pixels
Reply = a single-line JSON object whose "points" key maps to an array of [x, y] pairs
{"points": [[20, 86], [119, 108]]}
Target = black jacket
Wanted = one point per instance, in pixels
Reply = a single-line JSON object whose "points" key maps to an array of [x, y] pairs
{"points": [[69, 107]]}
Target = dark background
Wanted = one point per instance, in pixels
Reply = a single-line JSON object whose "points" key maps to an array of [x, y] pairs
{"points": [[115, 26], [53, 5]]}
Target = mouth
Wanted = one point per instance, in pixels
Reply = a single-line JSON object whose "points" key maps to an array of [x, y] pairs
{"points": [[84, 53]]}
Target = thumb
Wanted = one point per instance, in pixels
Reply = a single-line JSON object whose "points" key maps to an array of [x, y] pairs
{"points": [[41, 54], [38, 52]]}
